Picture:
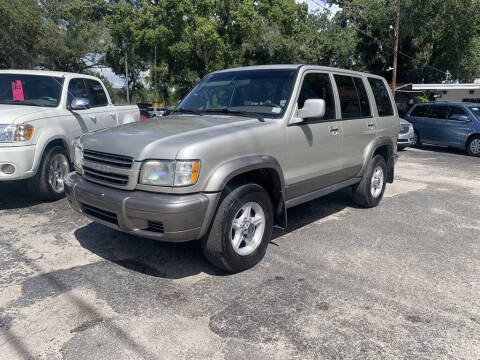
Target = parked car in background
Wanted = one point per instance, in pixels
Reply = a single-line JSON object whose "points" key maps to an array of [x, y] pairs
{"points": [[41, 115], [406, 135], [245, 145], [447, 123], [159, 111], [146, 111]]}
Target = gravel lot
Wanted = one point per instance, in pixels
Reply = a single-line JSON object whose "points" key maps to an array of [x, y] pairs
{"points": [[400, 281]]}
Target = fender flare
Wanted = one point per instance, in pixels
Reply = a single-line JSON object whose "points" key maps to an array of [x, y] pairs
{"points": [[44, 139], [372, 147]]}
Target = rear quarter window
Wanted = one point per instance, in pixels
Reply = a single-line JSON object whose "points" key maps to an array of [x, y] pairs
{"points": [[381, 96]]}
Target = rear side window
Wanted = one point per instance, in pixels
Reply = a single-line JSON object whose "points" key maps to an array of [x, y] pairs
{"points": [[439, 112], [97, 94], [419, 111], [76, 89], [318, 86], [353, 97], [382, 97]]}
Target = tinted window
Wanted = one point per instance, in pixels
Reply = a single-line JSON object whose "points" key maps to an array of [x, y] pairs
{"points": [[438, 112], [456, 112], [76, 89], [382, 97], [97, 94], [318, 86], [353, 97], [476, 111], [362, 97], [31, 90], [419, 111]]}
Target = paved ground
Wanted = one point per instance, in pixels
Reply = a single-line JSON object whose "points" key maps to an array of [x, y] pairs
{"points": [[397, 282]]}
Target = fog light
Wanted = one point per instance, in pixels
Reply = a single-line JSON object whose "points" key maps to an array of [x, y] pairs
{"points": [[8, 169]]}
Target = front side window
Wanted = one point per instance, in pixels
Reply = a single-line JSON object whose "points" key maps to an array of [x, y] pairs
{"points": [[76, 89], [382, 97], [439, 112], [265, 92], [97, 94], [353, 97], [318, 86], [456, 112], [31, 90]]}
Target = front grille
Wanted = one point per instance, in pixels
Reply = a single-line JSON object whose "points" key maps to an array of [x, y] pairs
{"points": [[404, 129], [100, 214], [120, 161], [154, 226], [107, 177]]}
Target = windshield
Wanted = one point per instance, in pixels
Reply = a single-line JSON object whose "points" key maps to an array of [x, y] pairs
{"points": [[32, 90], [476, 111], [264, 92]]}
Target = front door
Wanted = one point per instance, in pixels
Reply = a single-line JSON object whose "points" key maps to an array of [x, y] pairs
{"points": [[359, 126], [102, 112], [314, 145]]}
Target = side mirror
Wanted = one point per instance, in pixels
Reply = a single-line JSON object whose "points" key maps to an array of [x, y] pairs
{"points": [[312, 108], [464, 118], [79, 104]]}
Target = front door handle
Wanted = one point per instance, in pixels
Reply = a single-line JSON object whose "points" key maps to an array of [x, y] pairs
{"points": [[112, 114], [333, 130], [92, 117], [371, 125]]}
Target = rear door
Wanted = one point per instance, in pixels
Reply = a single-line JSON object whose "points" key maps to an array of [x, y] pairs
{"points": [[314, 145], [434, 123], [101, 112], [358, 124]]}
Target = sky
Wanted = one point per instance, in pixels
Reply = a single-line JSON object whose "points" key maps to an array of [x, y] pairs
{"points": [[118, 82]]}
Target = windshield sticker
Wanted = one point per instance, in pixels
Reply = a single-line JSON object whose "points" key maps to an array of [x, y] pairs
{"points": [[17, 91], [276, 110]]}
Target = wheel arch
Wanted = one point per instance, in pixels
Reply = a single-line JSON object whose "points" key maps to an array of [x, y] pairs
{"points": [[48, 143], [260, 169], [385, 147]]}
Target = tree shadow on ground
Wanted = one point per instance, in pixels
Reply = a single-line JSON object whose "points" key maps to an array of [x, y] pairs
{"points": [[179, 260]]}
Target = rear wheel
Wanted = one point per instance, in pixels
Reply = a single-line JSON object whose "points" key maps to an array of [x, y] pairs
{"points": [[369, 191], [416, 139], [473, 146], [241, 229], [48, 182]]}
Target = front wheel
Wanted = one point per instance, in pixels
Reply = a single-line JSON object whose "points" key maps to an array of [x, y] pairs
{"points": [[369, 191], [416, 140], [473, 146], [48, 182], [241, 229]]}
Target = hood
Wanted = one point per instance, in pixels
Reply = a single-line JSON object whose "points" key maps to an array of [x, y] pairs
{"points": [[163, 137], [10, 113]]}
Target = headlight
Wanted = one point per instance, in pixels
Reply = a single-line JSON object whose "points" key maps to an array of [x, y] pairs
{"points": [[11, 133], [169, 172], [78, 159]]}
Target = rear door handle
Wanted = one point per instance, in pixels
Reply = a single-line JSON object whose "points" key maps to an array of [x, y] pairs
{"points": [[371, 125], [112, 114], [92, 117], [333, 130]]}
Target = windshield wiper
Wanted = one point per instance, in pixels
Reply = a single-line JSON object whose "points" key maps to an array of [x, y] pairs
{"points": [[237, 112], [188, 111], [16, 102]]}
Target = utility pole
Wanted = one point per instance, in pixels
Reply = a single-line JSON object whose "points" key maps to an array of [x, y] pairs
{"points": [[395, 47], [126, 75], [155, 73], [447, 76]]}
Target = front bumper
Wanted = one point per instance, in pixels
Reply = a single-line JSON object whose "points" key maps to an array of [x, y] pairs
{"points": [[21, 157], [165, 217], [406, 139]]}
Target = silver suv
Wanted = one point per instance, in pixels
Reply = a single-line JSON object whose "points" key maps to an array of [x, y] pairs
{"points": [[241, 148]]}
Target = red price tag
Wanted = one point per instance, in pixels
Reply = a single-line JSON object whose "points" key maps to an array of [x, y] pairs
{"points": [[17, 91]]}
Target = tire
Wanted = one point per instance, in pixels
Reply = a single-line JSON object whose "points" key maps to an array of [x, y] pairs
{"points": [[473, 146], [365, 193], [218, 246], [416, 139], [47, 184]]}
